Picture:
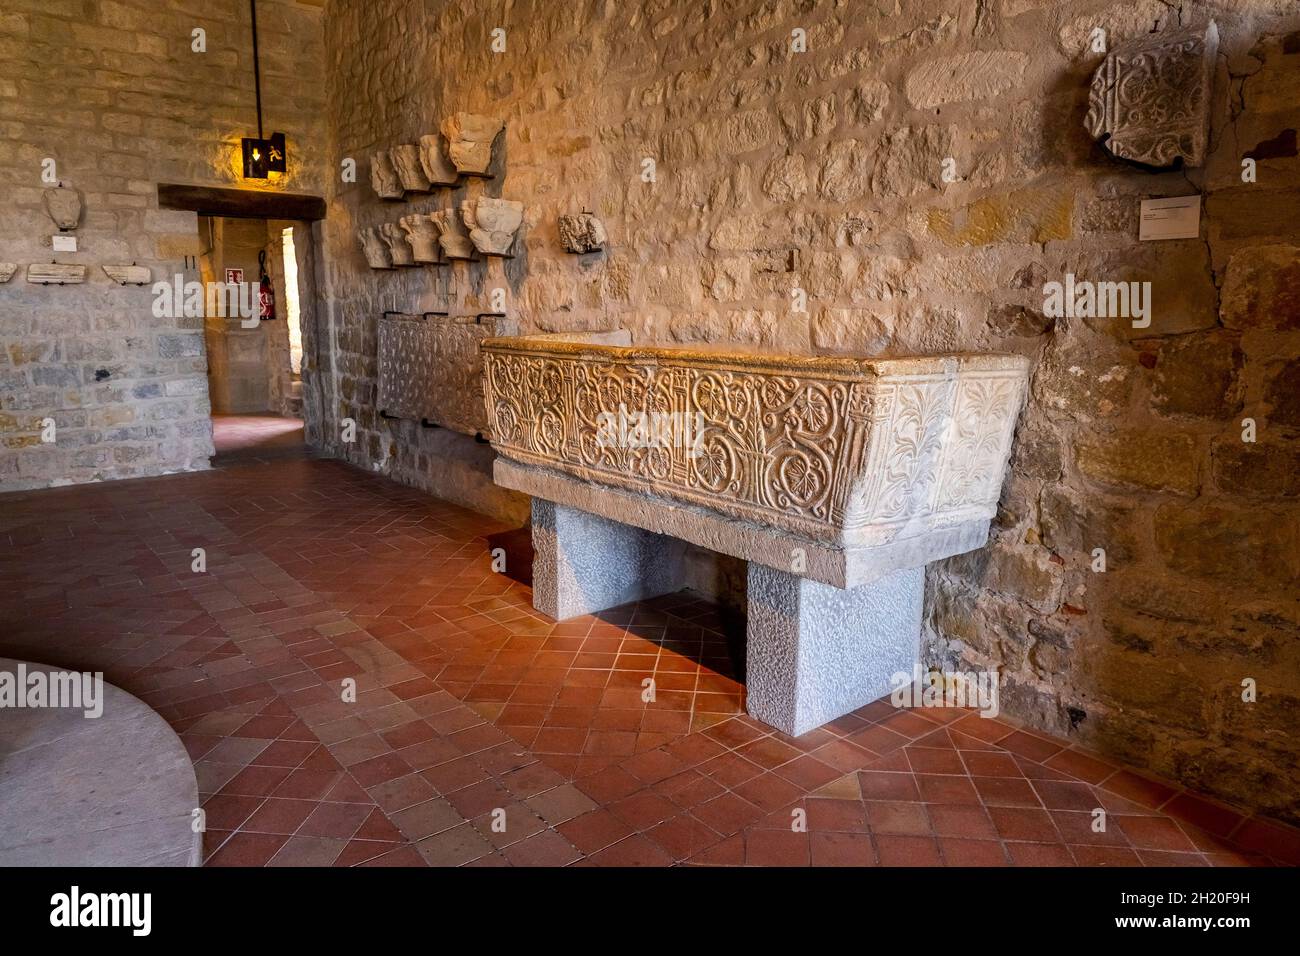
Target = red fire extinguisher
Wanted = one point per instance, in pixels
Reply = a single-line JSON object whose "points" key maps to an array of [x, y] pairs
{"points": [[266, 291]]}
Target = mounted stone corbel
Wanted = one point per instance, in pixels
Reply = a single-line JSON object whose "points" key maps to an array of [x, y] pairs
{"points": [[438, 167], [1151, 97], [422, 235], [398, 248], [128, 275], [582, 233], [383, 176], [375, 249], [492, 224], [410, 171], [54, 273], [63, 206], [453, 236], [469, 142], [7, 269]]}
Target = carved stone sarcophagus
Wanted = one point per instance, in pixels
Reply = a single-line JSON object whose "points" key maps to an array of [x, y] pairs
{"points": [[430, 370], [836, 478], [866, 464]]}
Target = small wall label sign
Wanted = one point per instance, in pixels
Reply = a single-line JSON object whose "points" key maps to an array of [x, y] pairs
{"points": [[234, 275], [1176, 218]]}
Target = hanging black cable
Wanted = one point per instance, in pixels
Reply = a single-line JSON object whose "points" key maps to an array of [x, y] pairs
{"points": [[257, 68]]}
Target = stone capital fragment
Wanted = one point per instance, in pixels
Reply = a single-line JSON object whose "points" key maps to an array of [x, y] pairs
{"points": [[7, 269], [383, 176], [410, 171], [438, 167], [453, 236], [375, 249], [582, 233], [422, 235], [1151, 97], [398, 247], [492, 223], [469, 141]]}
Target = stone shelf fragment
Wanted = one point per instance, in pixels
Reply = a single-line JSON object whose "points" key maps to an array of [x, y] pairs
{"points": [[128, 275], [53, 273], [837, 478], [492, 224], [469, 142]]}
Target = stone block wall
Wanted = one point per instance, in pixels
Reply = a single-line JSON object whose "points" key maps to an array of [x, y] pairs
{"points": [[114, 93], [824, 171]]}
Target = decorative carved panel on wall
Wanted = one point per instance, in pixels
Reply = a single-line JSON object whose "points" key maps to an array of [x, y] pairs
{"points": [[581, 233], [1150, 98], [438, 166], [53, 273], [409, 169], [851, 451], [128, 275], [430, 368], [7, 269], [374, 247], [492, 223], [63, 206], [383, 176], [469, 142]]}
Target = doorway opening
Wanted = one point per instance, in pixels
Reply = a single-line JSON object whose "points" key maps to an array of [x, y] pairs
{"points": [[255, 352]]}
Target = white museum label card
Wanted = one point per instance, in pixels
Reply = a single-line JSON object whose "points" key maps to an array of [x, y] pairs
{"points": [[64, 243], [1176, 218]]}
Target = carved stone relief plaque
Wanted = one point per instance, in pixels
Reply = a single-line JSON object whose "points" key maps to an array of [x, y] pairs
{"points": [[1150, 99], [582, 233], [63, 206]]}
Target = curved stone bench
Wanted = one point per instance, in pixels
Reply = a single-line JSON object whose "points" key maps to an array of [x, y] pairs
{"points": [[836, 478], [113, 790]]}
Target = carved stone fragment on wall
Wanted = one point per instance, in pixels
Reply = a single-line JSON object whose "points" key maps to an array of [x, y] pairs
{"points": [[469, 141], [1151, 97], [438, 167], [55, 273], [453, 236], [422, 235], [582, 233], [7, 269], [63, 206], [492, 223], [383, 176], [398, 247], [410, 171], [375, 249], [128, 275]]}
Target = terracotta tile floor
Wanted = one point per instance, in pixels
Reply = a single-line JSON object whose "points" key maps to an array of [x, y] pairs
{"points": [[471, 710]]}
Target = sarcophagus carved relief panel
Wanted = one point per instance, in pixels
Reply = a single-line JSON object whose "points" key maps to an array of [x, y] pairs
{"points": [[847, 451], [430, 369]]}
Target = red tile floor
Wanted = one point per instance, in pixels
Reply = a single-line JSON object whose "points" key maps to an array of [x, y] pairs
{"points": [[470, 708]]}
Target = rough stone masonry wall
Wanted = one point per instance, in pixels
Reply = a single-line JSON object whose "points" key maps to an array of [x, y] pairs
{"points": [[113, 92], [823, 171]]}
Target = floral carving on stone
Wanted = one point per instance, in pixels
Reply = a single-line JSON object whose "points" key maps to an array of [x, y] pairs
{"points": [[469, 141], [438, 167], [453, 236], [422, 235], [844, 450], [409, 169], [582, 233], [430, 368], [374, 247], [492, 223], [1151, 97], [383, 176]]}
